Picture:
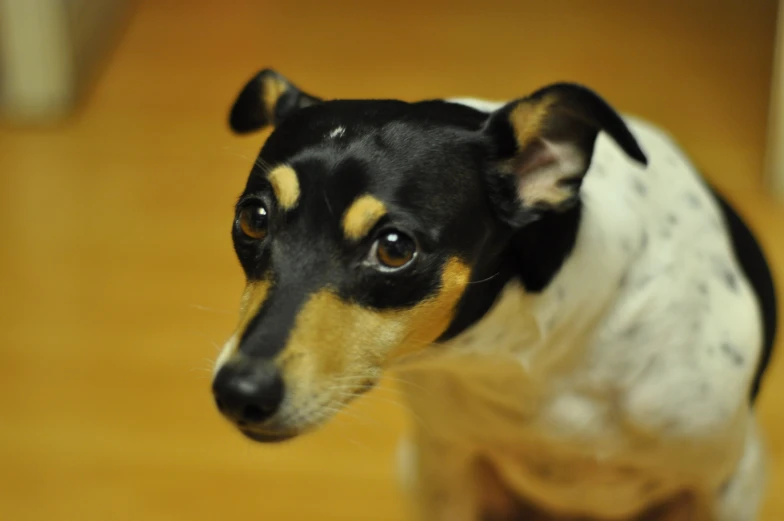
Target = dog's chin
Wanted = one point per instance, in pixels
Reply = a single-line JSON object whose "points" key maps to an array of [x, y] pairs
{"points": [[287, 433], [266, 437]]}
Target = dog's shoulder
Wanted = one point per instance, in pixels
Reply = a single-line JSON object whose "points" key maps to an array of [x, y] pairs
{"points": [[686, 320]]}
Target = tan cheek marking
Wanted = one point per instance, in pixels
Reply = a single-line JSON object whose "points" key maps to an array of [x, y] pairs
{"points": [[272, 89], [285, 184], [333, 338], [428, 320], [334, 334], [361, 216]]}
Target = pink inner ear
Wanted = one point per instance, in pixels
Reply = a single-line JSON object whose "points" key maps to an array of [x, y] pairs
{"points": [[563, 160], [541, 168]]}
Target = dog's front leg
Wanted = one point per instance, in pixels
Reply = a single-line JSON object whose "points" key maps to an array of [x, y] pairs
{"points": [[439, 478]]}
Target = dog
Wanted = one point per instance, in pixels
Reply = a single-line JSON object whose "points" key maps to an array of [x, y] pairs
{"points": [[584, 320]]}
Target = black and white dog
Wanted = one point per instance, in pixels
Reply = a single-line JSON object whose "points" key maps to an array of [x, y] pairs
{"points": [[585, 322]]}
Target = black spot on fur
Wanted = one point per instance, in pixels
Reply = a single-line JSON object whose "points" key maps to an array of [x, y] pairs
{"points": [[702, 288], [754, 267], [550, 323], [643, 281], [632, 331], [672, 219], [640, 187], [731, 280], [732, 353], [644, 240]]}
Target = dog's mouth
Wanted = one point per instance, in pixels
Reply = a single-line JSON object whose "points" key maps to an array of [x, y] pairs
{"points": [[279, 430], [268, 437]]}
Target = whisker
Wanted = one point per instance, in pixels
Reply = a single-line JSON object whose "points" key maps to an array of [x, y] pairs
{"points": [[350, 390], [316, 414], [326, 200], [206, 337], [347, 391], [408, 383], [491, 277], [359, 378], [234, 152], [405, 408], [212, 310], [353, 441], [262, 164], [208, 369], [349, 414]]}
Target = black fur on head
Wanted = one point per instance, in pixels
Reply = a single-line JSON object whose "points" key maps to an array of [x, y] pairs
{"points": [[500, 190], [371, 229]]}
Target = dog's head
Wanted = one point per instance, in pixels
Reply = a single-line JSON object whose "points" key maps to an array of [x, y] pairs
{"points": [[371, 230]]}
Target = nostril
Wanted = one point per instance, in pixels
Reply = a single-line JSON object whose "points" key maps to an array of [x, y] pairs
{"points": [[248, 393], [253, 413]]}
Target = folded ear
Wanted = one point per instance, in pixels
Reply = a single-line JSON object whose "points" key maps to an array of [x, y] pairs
{"points": [[544, 146], [267, 99]]}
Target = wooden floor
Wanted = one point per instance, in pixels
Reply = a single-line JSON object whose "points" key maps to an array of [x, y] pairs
{"points": [[118, 279]]}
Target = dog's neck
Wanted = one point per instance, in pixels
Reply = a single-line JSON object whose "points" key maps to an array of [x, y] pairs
{"points": [[541, 329]]}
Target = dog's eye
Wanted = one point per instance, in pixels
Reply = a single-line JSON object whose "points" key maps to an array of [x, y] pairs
{"points": [[394, 250], [253, 221]]}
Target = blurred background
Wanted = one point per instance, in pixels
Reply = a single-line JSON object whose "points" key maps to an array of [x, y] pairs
{"points": [[117, 179]]}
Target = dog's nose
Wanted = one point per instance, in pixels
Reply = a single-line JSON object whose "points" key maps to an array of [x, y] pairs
{"points": [[248, 393]]}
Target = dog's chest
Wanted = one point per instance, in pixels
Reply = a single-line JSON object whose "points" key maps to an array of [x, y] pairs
{"points": [[648, 334], [552, 443]]}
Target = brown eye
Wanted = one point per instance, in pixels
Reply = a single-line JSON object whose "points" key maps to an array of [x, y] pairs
{"points": [[394, 250], [253, 222]]}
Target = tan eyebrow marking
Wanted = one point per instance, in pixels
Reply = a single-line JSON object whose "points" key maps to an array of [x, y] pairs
{"points": [[361, 216], [285, 184]]}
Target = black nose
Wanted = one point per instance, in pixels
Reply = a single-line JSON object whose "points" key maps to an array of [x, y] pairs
{"points": [[248, 392]]}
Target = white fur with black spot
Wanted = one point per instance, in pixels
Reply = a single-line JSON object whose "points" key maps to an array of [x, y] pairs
{"points": [[626, 380]]}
